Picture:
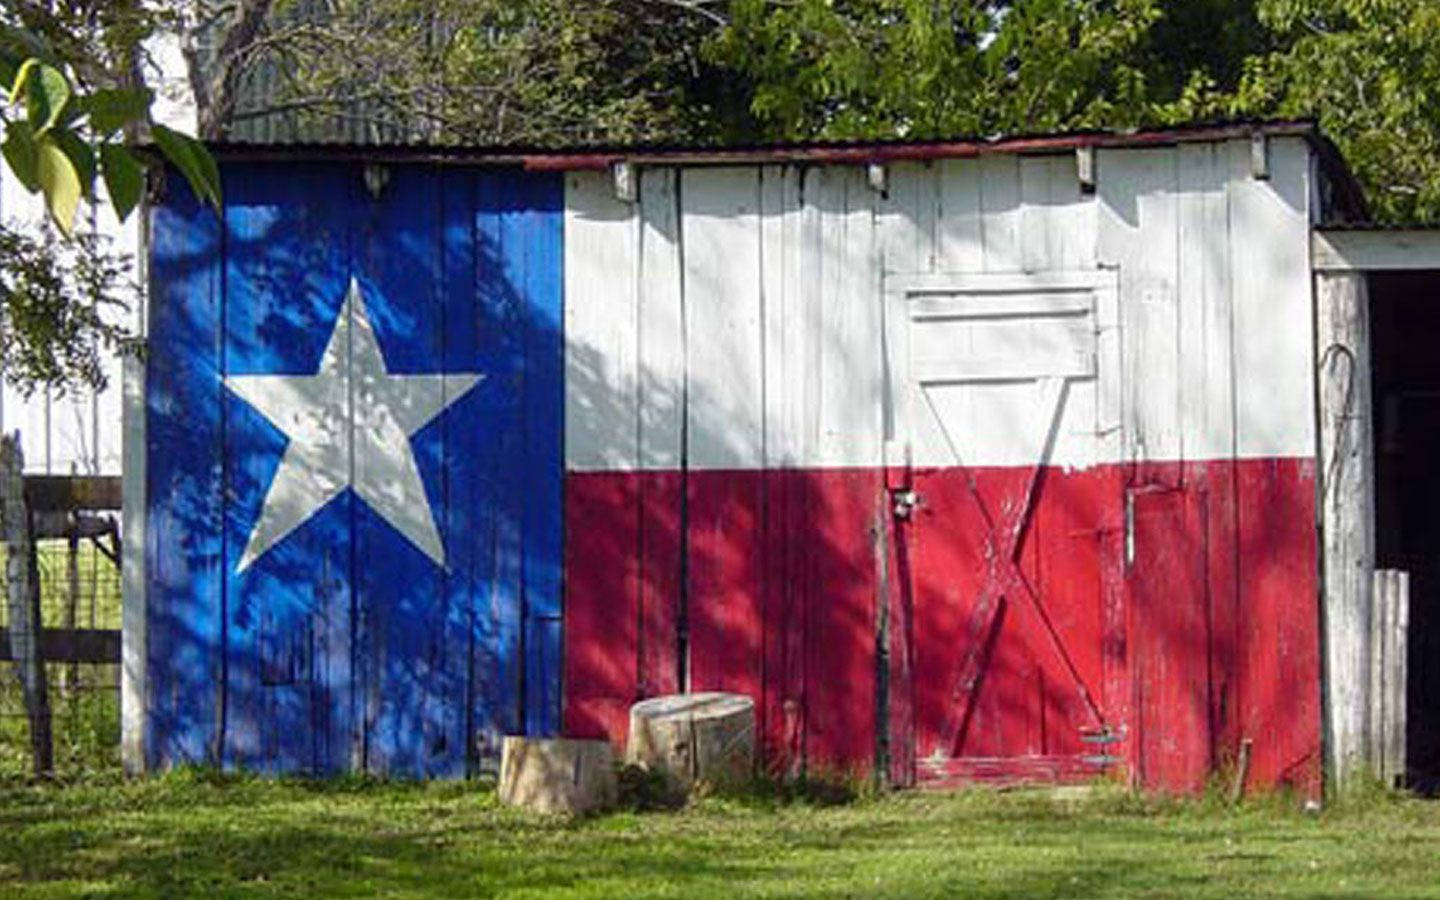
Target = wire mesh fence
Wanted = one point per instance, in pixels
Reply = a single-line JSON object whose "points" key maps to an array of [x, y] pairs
{"points": [[79, 588]]}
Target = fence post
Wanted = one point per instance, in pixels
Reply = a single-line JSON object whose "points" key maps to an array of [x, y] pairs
{"points": [[23, 594]]}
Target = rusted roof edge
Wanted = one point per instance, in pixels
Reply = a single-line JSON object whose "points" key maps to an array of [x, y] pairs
{"points": [[602, 157], [1350, 199]]}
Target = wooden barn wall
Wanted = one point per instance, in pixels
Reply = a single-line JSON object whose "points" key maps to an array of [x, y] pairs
{"points": [[343, 645], [730, 441]]}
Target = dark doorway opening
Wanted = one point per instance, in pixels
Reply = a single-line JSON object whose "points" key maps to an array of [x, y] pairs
{"points": [[1405, 344]]}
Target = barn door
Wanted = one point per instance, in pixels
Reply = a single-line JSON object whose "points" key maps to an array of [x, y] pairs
{"points": [[1004, 407]]}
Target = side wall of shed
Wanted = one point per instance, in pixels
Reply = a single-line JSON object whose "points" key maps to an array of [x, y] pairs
{"points": [[726, 514]]}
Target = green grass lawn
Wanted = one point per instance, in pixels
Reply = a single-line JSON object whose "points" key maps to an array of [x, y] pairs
{"points": [[193, 834]]}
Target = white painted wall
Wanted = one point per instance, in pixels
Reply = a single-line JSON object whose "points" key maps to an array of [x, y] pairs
{"points": [[769, 348]]}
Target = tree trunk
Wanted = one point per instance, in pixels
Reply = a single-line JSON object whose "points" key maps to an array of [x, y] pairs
{"points": [[557, 775], [692, 738]]}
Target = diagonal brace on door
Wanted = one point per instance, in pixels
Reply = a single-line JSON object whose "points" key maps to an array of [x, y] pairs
{"points": [[1003, 576]]}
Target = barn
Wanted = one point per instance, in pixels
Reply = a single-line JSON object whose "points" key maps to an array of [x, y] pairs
{"points": [[966, 460]]}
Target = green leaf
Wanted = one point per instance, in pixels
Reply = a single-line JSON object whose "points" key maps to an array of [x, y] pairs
{"points": [[114, 108], [193, 160], [82, 157], [21, 154], [60, 183], [47, 90], [124, 178], [22, 75]]}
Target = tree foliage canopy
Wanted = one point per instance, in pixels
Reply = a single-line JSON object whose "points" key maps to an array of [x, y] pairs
{"points": [[558, 72], [1367, 70], [73, 104]]}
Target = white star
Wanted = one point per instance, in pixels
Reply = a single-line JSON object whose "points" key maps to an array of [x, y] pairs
{"points": [[348, 425]]}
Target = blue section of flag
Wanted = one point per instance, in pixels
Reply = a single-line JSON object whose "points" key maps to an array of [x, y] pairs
{"points": [[344, 646]]}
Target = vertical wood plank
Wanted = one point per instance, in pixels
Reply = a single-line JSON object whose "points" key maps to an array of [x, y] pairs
{"points": [[901, 238], [184, 513], [1399, 683], [601, 269], [602, 426], [1000, 212], [1072, 217], [1038, 234], [849, 374], [1171, 723], [778, 214], [724, 408], [661, 385], [1347, 513], [724, 425], [466, 721], [539, 228], [1139, 233], [399, 255], [134, 632], [958, 241], [1274, 333], [501, 324], [836, 507], [1379, 688]]}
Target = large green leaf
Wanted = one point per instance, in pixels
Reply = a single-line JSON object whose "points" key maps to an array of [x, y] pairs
{"points": [[60, 183], [193, 160], [21, 154], [47, 90], [82, 157], [124, 178], [113, 108]]}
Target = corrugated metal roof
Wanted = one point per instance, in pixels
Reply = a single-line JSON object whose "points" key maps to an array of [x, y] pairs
{"points": [[600, 156], [1349, 202]]}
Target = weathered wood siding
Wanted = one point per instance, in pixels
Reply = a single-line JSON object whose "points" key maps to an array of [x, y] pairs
{"points": [[343, 645], [732, 429]]}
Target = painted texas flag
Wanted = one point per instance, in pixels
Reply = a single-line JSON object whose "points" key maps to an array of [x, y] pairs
{"points": [[961, 474]]}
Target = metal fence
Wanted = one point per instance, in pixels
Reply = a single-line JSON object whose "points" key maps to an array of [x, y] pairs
{"points": [[59, 621], [79, 590]]}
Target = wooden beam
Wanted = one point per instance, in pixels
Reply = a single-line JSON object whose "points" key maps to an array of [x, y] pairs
{"points": [[1398, 250], [1347, 516], [1085, 169], [23, 596], [1259, 156], [134, 618], [57, 493], [71, 645]]}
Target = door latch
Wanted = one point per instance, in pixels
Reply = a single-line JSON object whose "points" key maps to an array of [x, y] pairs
{"points": [[905, 502]]}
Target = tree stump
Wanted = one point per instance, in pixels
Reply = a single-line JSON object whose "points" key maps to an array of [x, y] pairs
{"points": [[557, 775], [692, 738]]}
